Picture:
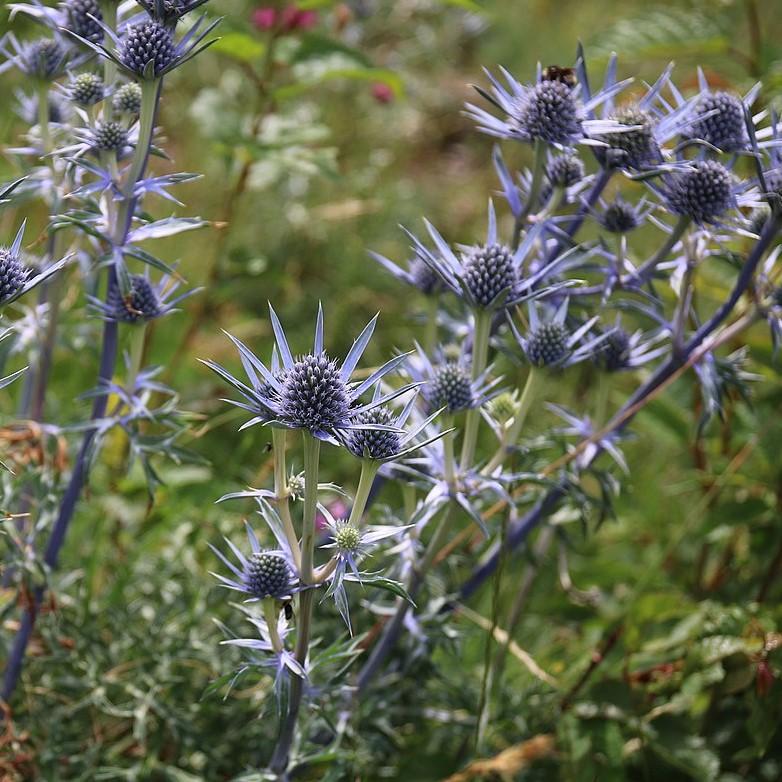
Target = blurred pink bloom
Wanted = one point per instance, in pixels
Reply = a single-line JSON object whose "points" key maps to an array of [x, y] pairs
{"points": [[264, 18], [293, 18], [338, 509], [382, 93]]}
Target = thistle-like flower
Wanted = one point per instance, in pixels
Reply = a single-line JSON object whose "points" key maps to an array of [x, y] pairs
{"points": [[702, 190], [393, 442], [551, 110], [350, 545], [621, 350], [486, 276], [43, 60], [720, 121], [563, 172], [262, 574], [621, 217], [109, 136], [127, 99], [144, 300], [550, 342], [16, 278], [314, 392], [418, 274], [149, 50], [86, 89], [447, 383], [85, 18]]}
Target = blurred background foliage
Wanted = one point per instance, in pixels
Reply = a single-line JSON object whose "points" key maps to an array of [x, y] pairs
{"points": [[659, 629]]}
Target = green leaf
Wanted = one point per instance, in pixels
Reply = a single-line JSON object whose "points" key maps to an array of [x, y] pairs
{"points": [[383, 75], [381, 582], [240, 46], [314, 47]]}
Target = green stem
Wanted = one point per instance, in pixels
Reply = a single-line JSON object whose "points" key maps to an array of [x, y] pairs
{"points": [[281, 493], [279, 761], [480, 353], [43, 122], [109, 11], [448, 451], [512, 433], [368, 471], [136, 349], [271, 614]]}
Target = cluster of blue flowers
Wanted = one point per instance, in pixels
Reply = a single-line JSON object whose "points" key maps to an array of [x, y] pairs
{"points": [[696, 171], [96, 78]]}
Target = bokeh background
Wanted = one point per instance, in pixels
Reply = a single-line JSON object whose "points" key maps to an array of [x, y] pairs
{"points": [[314, 148]]}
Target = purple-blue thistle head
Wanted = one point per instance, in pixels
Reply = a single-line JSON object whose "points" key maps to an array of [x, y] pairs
{"points": [[547, 345], [424, 277], [720, 121], [86, 89], [620, 217], [147, 44], [450, 388], [43, 59], [314, 395], [702, 191], [548, 112], [127, 99], [268, 575], [13, 273], [110, 136], [84, 17], [632, 148], [562, 171], [488, 270], [140, 303], [613, 353], [374, 443]]}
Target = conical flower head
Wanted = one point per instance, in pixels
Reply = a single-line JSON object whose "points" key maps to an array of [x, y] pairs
{"points": [[347, 537], [720, 121], [633, 148], [613, 353], [374, 443], [547, 344], [549, 112], [620, 217], [83, 19], [564, 171], [314, 395], [109, 137], [450, 388], [141, 303], [702, 191], [127, 99], [147, 43], [268, 575], [13, 274], [424, 278], [86, 89], [488, 271], [43, 59]]}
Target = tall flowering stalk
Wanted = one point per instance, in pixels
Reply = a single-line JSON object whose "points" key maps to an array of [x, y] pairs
{"points": [[529, 295], [108, 159]]}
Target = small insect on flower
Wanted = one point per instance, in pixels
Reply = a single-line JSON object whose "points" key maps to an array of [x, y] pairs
{"points": [[144, 300], [555, 110], [313, 392], [169, 12], [550, 343]]}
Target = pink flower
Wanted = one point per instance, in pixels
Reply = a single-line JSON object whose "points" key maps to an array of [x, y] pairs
{"points": [[293, 18], [264, 18], [382, 93]]}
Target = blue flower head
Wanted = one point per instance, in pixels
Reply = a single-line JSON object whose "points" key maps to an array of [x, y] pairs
{"points": [[312, 391]]}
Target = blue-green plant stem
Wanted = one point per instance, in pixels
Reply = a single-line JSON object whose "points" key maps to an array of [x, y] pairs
{"points": [[281, 756], [480, 354], [281, 492], [368, 472]]}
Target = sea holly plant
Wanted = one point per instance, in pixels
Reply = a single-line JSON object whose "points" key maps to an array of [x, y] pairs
{"points": [[98, 77], [509, 314]]}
